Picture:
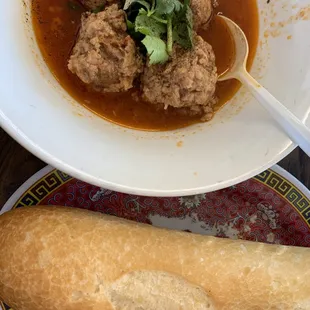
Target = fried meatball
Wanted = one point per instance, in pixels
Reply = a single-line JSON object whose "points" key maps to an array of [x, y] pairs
{"points": [[202, 12], [105, 57], [187, 81]]}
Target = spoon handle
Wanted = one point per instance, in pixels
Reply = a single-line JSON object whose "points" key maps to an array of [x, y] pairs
{"points": [[295, 129]]}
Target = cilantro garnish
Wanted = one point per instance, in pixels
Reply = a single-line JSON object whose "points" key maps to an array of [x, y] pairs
{"points": [[161, 23], [168, 6], [149, 26], [156, 49]]}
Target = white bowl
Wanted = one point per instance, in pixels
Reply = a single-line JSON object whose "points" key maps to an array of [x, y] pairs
{"points": [[240, 142]]}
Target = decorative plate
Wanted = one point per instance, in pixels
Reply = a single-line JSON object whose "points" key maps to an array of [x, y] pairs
{"points": [[273, 207]]}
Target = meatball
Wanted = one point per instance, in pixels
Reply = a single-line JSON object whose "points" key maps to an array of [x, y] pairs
{"points": [[187, 81], [104, 56], [202, 12]]}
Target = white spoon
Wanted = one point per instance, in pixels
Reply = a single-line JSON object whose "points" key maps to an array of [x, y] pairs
{"points": [[291, 125]]}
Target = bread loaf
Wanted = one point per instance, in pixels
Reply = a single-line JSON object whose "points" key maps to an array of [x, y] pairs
{"points": [[56, 258]]}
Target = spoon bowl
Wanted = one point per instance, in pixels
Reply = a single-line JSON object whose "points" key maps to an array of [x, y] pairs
{"points": [[290, 124], [241, 50]]}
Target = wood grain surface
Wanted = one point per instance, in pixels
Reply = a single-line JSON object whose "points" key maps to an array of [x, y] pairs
{"points": [[17, 165]]}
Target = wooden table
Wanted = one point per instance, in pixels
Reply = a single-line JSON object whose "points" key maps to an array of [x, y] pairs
{"points": [[17, 165]]}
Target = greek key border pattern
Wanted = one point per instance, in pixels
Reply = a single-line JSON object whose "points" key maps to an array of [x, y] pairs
{"points": [[42, 188], [288, 191]]}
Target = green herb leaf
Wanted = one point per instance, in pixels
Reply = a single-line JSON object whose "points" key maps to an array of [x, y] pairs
{"points": [[159, 18], [149, 26], [168, 6], [183, 27], [157, 24], [130, 25], [182, 34], [169, 36], [128, 3], [156, 49], [98, 9], [143, 12]]}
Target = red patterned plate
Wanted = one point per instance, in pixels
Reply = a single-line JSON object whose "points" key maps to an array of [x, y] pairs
{"points": [[273, 207]]}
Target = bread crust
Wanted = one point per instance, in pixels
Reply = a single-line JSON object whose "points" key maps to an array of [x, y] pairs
{"points": [[65, 258]]}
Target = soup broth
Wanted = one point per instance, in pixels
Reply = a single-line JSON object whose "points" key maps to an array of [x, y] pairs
{"points": [[56, 24]]}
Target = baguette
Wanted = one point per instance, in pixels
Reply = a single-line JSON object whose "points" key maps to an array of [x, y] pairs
{"points": [[56, 258]]}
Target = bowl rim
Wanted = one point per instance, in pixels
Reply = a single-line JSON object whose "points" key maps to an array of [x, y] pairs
{"points": [[48, 158]]}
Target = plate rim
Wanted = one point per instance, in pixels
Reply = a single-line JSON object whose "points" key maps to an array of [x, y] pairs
{"points": [[292, 179], [26, 185], [47, 169]]}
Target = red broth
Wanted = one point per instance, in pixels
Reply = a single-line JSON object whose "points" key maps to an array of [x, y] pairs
{"points": [[56, 24]]}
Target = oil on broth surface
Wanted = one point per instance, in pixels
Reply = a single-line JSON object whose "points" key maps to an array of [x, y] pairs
{"points": [[56, 24]]}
